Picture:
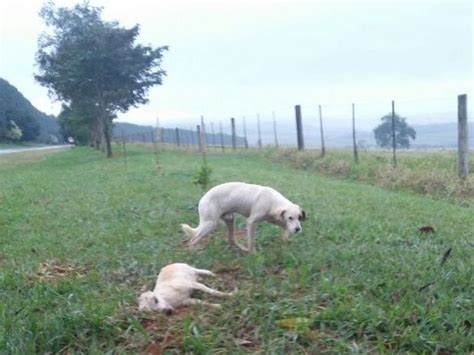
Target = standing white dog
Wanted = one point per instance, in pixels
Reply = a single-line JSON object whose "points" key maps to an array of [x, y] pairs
{"points": [[174, 286], [257, 203]]}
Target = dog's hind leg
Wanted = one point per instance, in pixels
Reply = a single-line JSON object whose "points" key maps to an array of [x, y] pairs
{"points": [[200, 287], [229, 220]]}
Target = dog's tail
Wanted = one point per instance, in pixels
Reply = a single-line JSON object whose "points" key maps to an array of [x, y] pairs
{"points": [[188, 231]]}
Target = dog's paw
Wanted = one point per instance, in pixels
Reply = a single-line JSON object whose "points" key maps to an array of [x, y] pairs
{"points": [[285, 236]]}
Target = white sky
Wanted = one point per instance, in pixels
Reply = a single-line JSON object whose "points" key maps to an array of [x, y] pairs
{"points": [[238, 58]]}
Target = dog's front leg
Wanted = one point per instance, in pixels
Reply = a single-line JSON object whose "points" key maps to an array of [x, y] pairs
{"points": [[204, 272], [251, 229], [285, 235]]}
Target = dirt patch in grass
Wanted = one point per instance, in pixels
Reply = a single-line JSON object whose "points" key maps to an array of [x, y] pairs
{"points": [[54, 270], [166, 332]]}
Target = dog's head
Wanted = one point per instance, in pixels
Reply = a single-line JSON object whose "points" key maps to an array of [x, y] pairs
{"points": [[291, 217], [148, 301]]}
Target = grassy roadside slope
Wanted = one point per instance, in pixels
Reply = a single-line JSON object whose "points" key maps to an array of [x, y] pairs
{"points": [[431, 173], [81, 236]]}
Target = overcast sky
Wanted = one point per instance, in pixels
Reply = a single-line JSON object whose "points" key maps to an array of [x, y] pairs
{"points": [[243, 57]]}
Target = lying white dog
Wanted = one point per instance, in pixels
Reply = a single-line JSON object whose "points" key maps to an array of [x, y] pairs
{"points": [[257, 203], [174, 286]]}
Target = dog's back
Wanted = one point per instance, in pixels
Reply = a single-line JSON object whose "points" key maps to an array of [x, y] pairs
{"points": [[233, 197], [175, 273]]}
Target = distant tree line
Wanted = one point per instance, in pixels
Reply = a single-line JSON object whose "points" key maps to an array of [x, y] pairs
{"points": [[95, 69]]}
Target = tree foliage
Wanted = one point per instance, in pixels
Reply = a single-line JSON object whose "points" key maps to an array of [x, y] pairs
{"points": [[95, 66], [75, 123], [403, 132], [13, 132], [25, 122]]}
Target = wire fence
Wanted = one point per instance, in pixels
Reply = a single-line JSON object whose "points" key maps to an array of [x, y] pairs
{"points": [[334, 126], [437, 123]]}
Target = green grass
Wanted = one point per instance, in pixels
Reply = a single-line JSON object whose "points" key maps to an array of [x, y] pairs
{"points": [[353, 276]]}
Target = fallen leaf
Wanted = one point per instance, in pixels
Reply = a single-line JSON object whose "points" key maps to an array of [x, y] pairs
{"points": [[292, 323]]}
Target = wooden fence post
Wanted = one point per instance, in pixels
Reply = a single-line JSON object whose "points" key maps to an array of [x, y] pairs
{"points": [[323, 147], [213, 134], [299, 128], [259, 132], [275, 129], [222, 136], [463, 137], [162, 135], [203, 133], [354, 141], [198, 128], [177, 137], [245, 135], [157, 130], [394, 141], [124, 146], [153, 140], [193, 141], [234, 142]]}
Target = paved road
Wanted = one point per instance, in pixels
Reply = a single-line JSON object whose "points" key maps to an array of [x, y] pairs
{"points": [[20, 150]]}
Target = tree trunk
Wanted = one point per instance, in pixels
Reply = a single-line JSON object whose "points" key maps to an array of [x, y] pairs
{"points": [[102, 141], [95, 134], [108, 139], [106, 124]]}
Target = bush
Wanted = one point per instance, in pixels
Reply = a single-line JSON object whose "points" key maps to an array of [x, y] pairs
{"points": [[202, 177]]}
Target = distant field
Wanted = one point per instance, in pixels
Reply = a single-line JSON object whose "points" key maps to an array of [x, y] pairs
{"points": [[82, 236]]}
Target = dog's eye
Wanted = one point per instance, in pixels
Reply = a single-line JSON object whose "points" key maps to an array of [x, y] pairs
{"points": [[290, 218], [155, 300]]}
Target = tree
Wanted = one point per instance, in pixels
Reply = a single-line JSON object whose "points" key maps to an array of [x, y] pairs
{"points": [[88, 62], [13, 131], [25, 122], [403, 132], [77, 124], [3, 125]]}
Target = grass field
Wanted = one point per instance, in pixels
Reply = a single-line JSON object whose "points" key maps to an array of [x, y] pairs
{"points": [[81, 236]]}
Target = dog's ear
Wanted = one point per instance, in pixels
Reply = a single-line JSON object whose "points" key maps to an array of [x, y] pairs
{"points": [[303, 215], [280, 214]]}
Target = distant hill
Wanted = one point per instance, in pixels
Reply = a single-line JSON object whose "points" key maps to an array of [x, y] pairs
{"points": [[440, 135], [144, 134], [44, 128]]}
